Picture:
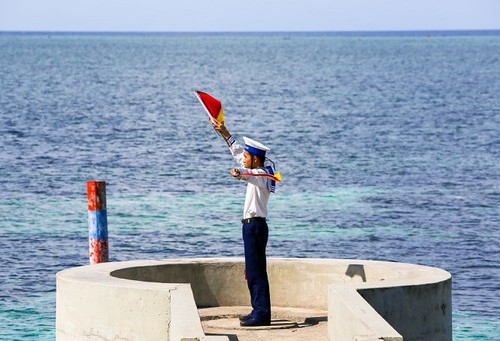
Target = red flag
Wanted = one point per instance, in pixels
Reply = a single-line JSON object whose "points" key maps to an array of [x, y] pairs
{"points": [[212, 105]]}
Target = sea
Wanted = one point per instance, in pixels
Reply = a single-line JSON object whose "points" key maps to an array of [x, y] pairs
{"points": [[388, 144]]}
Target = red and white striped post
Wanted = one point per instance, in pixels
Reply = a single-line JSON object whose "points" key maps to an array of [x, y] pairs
{"points": [[98, 221]]}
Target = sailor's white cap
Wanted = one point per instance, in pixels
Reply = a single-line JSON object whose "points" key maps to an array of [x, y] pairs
{"points": [[255, 147]]}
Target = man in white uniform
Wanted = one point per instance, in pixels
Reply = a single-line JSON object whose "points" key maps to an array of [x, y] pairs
{"points": [[255, 230]]}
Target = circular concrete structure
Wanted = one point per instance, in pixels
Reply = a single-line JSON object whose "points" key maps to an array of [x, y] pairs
{"points": [[159, 299]]}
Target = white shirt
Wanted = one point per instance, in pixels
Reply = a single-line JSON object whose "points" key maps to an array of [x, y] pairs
{"points": [[258, 192]]}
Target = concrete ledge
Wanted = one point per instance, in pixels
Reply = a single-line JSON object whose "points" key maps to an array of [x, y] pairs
{"points": [[158, 299], [358, 319]]}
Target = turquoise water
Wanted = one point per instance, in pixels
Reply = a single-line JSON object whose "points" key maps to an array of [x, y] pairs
{"points": [[388, 146]]}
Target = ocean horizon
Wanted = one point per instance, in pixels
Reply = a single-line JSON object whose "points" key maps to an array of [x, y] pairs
{"points": [[396, 33]]}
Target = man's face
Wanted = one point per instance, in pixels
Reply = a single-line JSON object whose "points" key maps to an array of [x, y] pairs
{"points": [[247, 159]]}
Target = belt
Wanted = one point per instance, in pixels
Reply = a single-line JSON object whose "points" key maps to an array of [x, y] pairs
{"points": [[249, 220]]}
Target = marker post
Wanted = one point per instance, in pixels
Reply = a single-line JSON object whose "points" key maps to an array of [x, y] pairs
{"points": [[97, 221]]}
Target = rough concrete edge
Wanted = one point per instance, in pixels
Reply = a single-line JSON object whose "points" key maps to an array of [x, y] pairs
{"points": [[374, 338], [376, 326], [185, 321]]}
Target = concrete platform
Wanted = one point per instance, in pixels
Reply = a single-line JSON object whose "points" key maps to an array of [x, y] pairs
{"points": [[200, 300], [286, 323]]}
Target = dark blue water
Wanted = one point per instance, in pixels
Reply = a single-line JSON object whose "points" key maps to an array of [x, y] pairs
{"points": [[389, 146]]}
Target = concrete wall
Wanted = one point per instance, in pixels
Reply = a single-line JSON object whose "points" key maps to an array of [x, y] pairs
{"points": [[214, 282], [93, 306], [350, 317], [423, 311], [157, 300]]}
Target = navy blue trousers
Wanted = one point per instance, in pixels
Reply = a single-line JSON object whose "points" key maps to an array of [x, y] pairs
{"points": [[255, 234]]}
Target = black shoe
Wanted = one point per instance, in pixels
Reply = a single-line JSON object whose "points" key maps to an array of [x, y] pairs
{"points": [[253, 322], [245, 317]]}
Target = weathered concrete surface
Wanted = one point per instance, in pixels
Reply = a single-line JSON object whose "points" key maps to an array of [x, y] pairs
{"points": [[286, 324], [91, 305], [158, 300], [414, 302]]}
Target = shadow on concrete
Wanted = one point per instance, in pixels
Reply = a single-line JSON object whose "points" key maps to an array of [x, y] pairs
{"points": [[312, 321], [356, 270], [231, 337], [282, 323]]}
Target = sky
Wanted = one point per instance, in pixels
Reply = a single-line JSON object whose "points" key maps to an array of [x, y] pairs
{"points": [[247, 15]]}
